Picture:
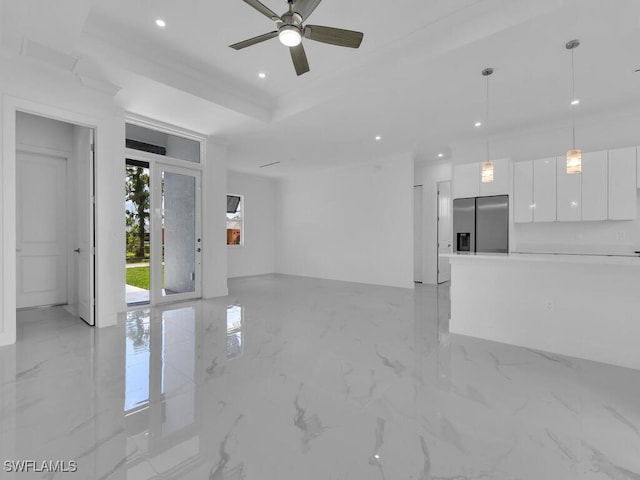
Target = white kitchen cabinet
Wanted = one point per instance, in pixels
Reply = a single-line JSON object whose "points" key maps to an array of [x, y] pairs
{"points": [[544, 190], [523, 191], [569, 193], [501, 175], [622, 184], [466, 180], [594, 186]]}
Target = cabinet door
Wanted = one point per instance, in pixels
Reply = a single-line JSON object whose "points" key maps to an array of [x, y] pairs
{"points": [[466, 180], [569, 193], [594, 186], [544, 190], [622, 184], [523, 192], [501, 175]]}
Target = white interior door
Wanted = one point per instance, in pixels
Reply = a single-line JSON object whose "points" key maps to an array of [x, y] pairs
{"points": [[444, 230], [41, 243], [417, 234], [85, 248], [176, 243]]}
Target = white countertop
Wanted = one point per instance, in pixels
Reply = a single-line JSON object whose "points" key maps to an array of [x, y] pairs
{"points": [[633, 261]]}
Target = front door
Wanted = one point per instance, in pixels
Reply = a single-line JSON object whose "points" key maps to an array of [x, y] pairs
{"points": [[41, 243], [176, 243]]}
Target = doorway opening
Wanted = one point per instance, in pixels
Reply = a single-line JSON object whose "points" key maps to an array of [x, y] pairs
{"points": [[55, 210], [444, 230], [163, 215], [417, 234]]}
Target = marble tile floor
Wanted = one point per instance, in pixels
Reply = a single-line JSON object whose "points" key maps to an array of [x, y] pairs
{"points": [[292, 378]]}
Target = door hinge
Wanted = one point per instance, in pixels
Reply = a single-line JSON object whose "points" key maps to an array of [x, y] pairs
{"points": [[93, 199], [93, 147], [93, 250]]}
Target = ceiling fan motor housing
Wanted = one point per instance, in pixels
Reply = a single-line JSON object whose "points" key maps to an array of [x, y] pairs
{"points": [[291, 18]]}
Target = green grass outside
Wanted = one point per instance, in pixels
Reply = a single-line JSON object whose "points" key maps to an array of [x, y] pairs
{"points": [[138, 277]]}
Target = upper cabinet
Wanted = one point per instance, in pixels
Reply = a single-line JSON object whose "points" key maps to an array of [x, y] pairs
{"points": [[622, 184], [594, 186], [468, 182], [606, 189], [544, 190], [523, 192]]}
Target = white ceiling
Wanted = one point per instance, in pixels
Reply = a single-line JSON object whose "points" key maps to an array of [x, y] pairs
{"points": [[416, 80]]}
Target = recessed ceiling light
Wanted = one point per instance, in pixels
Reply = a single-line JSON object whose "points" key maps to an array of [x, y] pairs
{"points": [[262, 75], [477, 124], [378, 137], [161, 23], [575, 102], [440, 155]]}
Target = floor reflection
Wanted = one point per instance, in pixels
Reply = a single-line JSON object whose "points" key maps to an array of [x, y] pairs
{"points": [[293, 378], [234, 331]]}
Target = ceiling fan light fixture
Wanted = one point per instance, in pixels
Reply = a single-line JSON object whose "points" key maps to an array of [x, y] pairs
{"points": [[290, 36]]}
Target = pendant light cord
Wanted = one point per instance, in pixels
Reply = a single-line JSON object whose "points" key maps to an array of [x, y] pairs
{"points": [[488, 150], [573, 97]]}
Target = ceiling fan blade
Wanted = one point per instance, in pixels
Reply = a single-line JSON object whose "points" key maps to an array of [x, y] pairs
{"points": [[263, 9], [254, 40], [299, 58], [334, 36], [305, 7]]}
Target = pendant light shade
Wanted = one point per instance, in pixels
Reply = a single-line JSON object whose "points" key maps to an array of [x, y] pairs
{"points": [[487, 172], [574, 156], [487, 167], [574, 161]]}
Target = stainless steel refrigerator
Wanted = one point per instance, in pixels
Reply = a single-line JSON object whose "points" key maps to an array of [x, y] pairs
{"points": [[481, 224]]}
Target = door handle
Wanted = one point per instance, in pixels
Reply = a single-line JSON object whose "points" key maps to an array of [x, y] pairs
{"points": [[77, 250]]}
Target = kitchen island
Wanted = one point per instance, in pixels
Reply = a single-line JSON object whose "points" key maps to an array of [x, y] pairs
{"points": [[585, 306]]}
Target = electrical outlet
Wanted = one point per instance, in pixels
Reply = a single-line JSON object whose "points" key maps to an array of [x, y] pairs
{"points": [[620, 235], [549, 305]]}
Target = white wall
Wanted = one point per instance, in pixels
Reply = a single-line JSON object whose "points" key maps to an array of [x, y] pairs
{"points": [[214, 206], [428, 174], [352, 224], [258, 254]]}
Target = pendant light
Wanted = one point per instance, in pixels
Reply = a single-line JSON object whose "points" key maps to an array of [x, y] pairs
{"points": [[487, 167], [574, 156]]}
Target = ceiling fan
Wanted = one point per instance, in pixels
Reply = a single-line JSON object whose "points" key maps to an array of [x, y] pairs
{"points": [[290, 31]]}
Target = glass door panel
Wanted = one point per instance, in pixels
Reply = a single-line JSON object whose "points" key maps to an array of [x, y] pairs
{"points": [[178, 243], [137, 215]]}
